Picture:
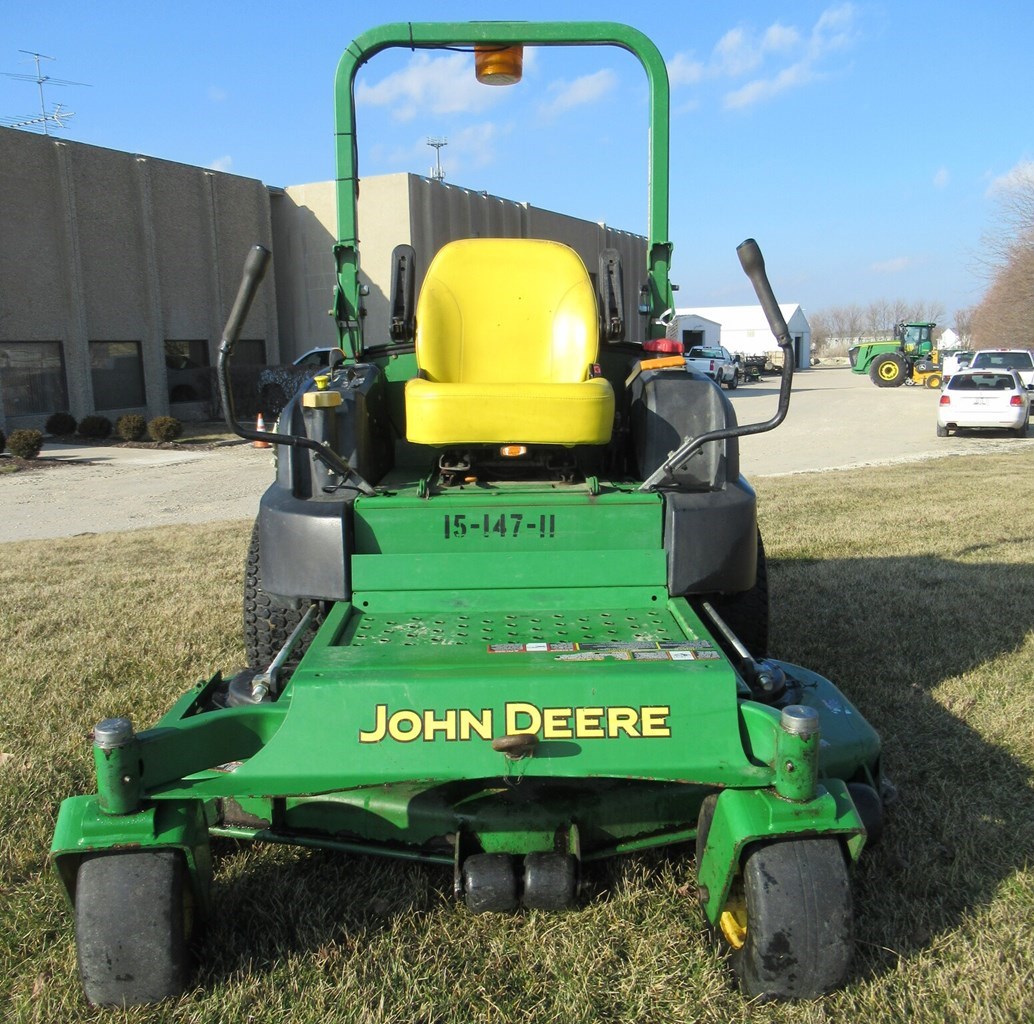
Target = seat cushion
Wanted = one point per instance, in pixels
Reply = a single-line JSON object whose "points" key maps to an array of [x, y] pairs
{"points": [[506, 331], [518, 413]]}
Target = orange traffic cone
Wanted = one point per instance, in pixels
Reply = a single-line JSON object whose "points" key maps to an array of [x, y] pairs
{"points": [[260, 425]]}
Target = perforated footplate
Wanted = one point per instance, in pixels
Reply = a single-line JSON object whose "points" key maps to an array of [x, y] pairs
{"points": [[623, 625]]}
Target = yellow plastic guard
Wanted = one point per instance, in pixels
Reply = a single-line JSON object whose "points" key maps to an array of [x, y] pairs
{"points": [[655, 364], [506, 332]]}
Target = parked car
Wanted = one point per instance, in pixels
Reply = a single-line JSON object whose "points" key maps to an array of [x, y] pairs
{"points": [[1018, 359], [277, 385], [984, 399], [717, 363]]}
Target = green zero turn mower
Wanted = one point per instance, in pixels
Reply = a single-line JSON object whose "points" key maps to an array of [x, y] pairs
{"points": [[505, 608]]}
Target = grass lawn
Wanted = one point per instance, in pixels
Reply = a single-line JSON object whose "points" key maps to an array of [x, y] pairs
{"points": [[912, 587]]}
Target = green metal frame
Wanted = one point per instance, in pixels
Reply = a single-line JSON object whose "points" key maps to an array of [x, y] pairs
{"points": [[436, 35]]}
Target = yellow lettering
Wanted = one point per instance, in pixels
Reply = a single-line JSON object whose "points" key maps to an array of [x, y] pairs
{"points": [[469, 722], [446, 725], [556, 724], [655, 721], [622, 720], [395, 722], [587, 722], [376, 734], [515, 712]]}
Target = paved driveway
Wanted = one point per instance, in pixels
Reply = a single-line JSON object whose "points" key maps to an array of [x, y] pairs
{"points": [[837, 420]]}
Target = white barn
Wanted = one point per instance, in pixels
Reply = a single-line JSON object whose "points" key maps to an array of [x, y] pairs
{"points": [[742, 329]]}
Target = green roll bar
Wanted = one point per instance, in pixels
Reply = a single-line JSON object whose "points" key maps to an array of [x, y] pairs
{"points": [[437, 35]]}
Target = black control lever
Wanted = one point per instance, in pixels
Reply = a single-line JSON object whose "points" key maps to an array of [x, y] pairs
{"points": [[753, 264], [255, 265]]}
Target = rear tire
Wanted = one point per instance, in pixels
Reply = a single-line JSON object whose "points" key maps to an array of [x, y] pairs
{"points": [[942, 431], [746, 614], [133, 917], [268, 622], [889, 370]]}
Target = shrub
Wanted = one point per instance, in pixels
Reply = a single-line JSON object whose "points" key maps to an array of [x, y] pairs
{"points": [[164, 428], [60, 423], [3, 441], [25, 444], [94, 426], [131, 427]]}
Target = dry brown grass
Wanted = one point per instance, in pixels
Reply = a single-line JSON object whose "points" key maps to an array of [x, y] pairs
{"points": [[910, 586]]}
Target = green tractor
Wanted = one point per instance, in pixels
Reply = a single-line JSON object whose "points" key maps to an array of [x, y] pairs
{"points": [[505, 610], [909, 359]]}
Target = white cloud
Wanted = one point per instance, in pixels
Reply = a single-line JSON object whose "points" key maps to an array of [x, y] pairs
{"points": [[780, 37], [894, 265], [765, 88], [1019, 177], [217, 95], [941, 178], [742, 51], [221, 163], [685, 70], [587, 89], [440, 85]]}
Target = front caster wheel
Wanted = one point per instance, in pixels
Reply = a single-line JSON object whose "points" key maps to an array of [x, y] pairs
{"points": [[789, 921], [133, 919]]}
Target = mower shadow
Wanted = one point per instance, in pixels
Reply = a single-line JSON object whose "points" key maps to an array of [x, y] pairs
{"points": [[271, 902], [898, 636]]}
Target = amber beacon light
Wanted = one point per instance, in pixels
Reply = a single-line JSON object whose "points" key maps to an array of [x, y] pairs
{"points": [[498, 65]]}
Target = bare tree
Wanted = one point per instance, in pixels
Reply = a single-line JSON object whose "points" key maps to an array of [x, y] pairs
{"points": [[879, 321], [964, 326], [1005, 315]]}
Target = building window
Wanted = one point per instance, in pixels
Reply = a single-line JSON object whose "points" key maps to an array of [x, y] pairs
{"points": [[186, 367], [117, 372], [33, 378], [250, 352]]}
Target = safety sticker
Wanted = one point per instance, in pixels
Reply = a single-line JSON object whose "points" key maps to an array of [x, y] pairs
{"points": [[618, 650]]}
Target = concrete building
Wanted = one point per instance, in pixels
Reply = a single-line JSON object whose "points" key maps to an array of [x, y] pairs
{"points": [[111, 266], [117, 271], [744, 329]]}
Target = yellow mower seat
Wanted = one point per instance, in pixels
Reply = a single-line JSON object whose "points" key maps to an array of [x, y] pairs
{"points": [[506, 335]]}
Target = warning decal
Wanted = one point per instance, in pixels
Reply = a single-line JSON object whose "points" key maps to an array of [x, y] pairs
{"points": [[617, 650]]}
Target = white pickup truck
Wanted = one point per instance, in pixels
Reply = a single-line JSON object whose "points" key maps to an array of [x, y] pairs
{"points": [[1019, 359], [715, 362]]}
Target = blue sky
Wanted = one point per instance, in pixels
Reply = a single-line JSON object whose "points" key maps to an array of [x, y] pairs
{"points": [[862, 143]]}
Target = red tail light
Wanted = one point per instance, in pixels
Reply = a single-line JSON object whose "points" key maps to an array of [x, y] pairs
{"points": [[1016, 400], [945, 400], [712, 366]]}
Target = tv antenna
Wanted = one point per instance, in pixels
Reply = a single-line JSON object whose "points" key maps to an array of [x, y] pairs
{"points": [[45, 118], [436, 143]]}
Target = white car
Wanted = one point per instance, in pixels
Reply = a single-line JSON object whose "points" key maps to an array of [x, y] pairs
{"points": [[984, 399], [1019, 359]]}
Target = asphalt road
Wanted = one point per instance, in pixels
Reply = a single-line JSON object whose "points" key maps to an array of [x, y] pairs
{"points": [[837, 420]]}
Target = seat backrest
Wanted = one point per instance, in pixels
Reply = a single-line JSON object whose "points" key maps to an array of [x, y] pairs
{"points": [[506, 310]]}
